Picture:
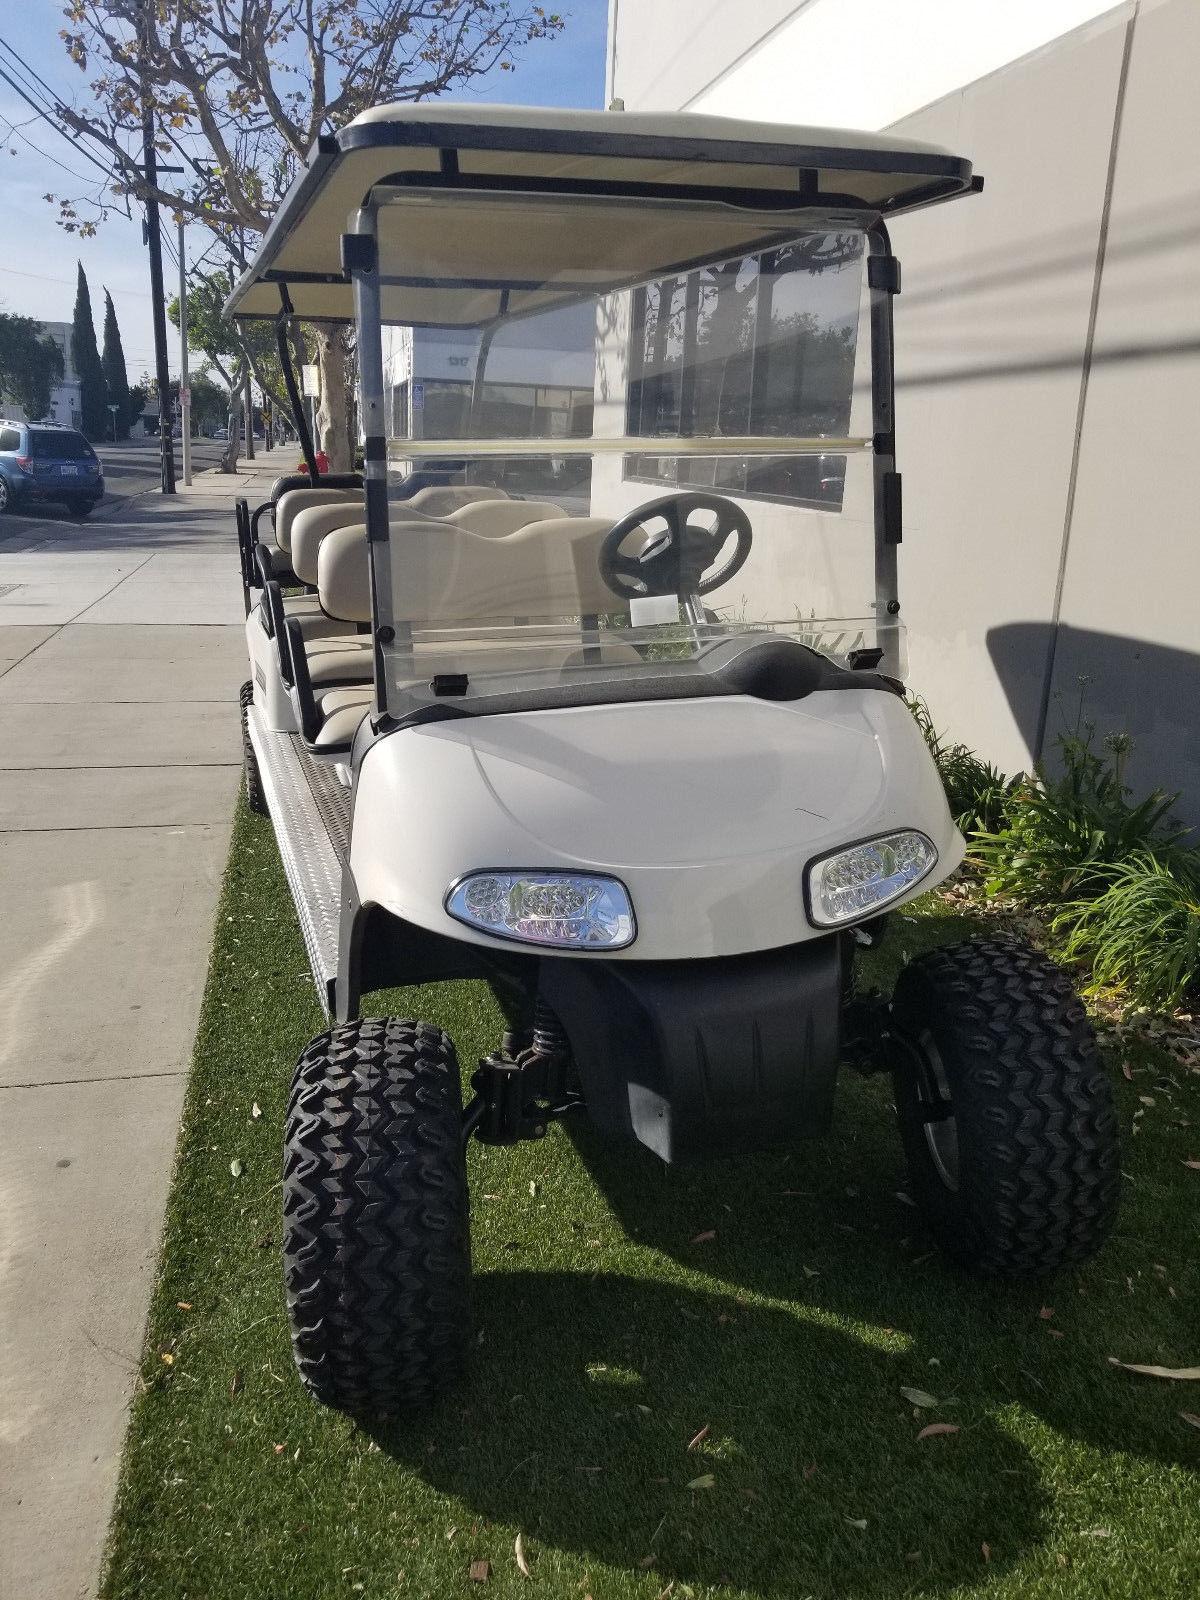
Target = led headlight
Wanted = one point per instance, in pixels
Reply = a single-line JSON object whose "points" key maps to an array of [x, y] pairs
{"points": [[567, 910], [852, 884]]}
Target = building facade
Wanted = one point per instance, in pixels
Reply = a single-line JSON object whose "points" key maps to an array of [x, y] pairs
{"points": [[1048, 336], [64, 396]]}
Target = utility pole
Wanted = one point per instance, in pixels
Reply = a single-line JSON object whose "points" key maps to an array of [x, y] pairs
{"points": [[154, 241], [249, 418], [185, 394]]}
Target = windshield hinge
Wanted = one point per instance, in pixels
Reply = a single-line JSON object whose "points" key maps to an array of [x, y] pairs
{"points": [[359, 253], [444, 683], [883, 272]]}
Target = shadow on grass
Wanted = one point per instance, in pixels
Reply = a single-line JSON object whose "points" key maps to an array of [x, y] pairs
{"points": [[586, 1391]]}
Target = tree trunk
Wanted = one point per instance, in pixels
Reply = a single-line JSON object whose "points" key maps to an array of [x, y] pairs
{"points": [[233, 444], [331, 416]]}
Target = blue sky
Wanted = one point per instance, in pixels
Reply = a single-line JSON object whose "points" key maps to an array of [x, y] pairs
{"points": [[37, 264]]}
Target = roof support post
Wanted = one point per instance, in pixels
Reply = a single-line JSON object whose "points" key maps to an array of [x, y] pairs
{"points": [[883, 278], [360, 258]]}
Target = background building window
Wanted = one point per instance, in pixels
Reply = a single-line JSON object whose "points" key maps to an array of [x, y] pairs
{"points": [[761, 345]]}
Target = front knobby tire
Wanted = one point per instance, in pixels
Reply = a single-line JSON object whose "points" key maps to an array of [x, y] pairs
{"points": [[1005, 1109], [255, 797], [376, 1217]]}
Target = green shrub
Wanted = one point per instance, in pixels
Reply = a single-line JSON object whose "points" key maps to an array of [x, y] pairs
{"points": [[976, 792], [1142, 934], [1061, 836]]}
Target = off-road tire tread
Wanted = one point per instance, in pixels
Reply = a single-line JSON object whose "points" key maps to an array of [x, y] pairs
{"points": [[376, 1216], [1039, 1178], [255, 797]]}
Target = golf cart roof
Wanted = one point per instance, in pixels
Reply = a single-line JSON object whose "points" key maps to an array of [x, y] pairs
{"points": [[744, 184]]}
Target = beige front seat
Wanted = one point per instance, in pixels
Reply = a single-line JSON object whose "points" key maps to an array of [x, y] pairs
{"points": [[496, 519], [546, 570], [439, 500]]}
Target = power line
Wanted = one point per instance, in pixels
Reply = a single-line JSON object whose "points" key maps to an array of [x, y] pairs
{"points": [[50, 119]]}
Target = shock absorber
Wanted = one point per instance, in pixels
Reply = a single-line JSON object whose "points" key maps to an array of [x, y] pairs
{"points": [[548, 1036]]}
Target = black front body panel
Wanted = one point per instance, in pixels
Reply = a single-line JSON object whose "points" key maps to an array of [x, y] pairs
{"points": [[711, 1058]]}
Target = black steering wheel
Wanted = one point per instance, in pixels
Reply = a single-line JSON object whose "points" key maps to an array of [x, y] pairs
{"points": [[678, 557]]}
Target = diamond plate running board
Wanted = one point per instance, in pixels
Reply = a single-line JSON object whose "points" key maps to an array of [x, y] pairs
{"points": [[310, 859]]}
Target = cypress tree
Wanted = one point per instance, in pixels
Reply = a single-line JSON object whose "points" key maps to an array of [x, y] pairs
{"points": [[86, 358], [112, 362]]}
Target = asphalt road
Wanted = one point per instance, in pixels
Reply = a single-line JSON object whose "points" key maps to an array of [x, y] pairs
{"points": [[130, 470]]}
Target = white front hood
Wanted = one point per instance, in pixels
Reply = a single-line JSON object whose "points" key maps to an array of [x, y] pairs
{"points": [[675, 783], [708, 810]]}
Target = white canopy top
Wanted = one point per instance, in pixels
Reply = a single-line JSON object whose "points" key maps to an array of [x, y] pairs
{"points": [[735, 186]]}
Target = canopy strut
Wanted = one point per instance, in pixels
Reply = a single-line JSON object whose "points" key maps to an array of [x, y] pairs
{"points": [[295, 400]]}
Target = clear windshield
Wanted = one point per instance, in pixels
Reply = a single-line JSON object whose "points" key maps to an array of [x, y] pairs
{"points": [[626, 473]]}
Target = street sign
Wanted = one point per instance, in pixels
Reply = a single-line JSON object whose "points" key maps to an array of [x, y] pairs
{"points": [[312, 380]]}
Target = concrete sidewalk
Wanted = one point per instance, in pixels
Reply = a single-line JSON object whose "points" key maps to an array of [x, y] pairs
{"points": [[121, 652]]}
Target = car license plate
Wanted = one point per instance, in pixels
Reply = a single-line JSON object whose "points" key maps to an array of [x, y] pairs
{"points": [[69, 472]]}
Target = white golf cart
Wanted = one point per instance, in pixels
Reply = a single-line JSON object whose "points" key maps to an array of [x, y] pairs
{"points": [[593, 689]]}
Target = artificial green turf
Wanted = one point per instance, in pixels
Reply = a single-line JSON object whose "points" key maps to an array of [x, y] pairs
{"points": [[609, 1333]]}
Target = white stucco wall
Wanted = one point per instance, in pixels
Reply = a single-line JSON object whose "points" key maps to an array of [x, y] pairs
{"points": [[1048, 339]]}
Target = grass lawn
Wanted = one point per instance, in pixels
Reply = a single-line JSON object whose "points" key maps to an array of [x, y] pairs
{"points": [[613, 1327]]}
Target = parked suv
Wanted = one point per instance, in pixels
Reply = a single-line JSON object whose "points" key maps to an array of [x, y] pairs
{"points": [[41, 461]]}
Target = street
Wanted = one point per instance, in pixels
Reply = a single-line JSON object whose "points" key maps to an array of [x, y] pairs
{"points": [[130, 469]]}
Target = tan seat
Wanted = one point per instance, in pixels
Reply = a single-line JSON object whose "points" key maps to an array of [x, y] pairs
{"points": [[546, 570], [496, 519], [293, 501], [341, 712], [439, 500]]}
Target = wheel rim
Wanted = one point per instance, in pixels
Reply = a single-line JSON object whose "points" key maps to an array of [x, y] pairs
{"points": [[3, 495], [936, 1108]]}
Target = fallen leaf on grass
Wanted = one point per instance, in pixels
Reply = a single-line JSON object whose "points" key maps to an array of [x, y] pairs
{"points": [[985, 1550], [533, 1186], [1195, 1165], [1127, 1071], [706, 1481], [235, 1383], [256, 1111], [480, 1571], [698, 1438], [934, 1429], [1180, 1374], [519, 1552], [235, 1167], [855, 1522], [167, 1358], [1046, 1313], [706, 1237], [810, 1471], [919, 1397], [647, 1562], [1190, 1417], [184, 1305], [1096, 1533]]}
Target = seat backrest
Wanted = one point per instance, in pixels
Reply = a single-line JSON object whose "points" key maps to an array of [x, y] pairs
{"points": [[294, 501], [496, 519], [544, 570], [441, 499], [309, 528]]}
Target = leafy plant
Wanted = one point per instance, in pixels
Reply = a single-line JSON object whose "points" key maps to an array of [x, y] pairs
{"points": [[1061, 836], [1142, 934], [977, 792]]}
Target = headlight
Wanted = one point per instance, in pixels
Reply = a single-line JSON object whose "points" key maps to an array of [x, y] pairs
{"points": [[855, 883], [567, 910]]}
